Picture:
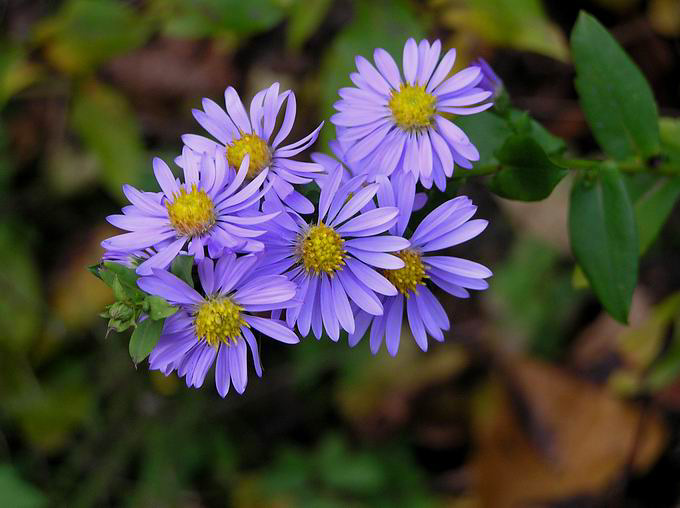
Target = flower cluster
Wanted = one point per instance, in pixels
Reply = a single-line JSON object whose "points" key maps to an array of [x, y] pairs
{"points": [[268, 259]]}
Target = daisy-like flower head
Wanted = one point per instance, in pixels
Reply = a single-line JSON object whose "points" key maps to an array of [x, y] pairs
{"points": [[239, 134], [206, 210], [216, 326], [447, 225], [336, 259], [390, 122]]}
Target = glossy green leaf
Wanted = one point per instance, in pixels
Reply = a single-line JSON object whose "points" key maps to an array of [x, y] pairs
{"points": [[144, 338], [487, 131], [85, 33], [615, 97], [182, 266], [604, 238], [108, 128], [159, 308], [653, 209], [16, 492], [126, 277], [527, 174]]}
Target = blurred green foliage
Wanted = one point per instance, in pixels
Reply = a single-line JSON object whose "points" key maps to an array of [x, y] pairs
{"points": [[82, 111]]}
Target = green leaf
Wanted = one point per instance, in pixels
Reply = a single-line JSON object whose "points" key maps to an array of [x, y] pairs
{"points": [[604, 238], [182, 266], [487, 131], [144, 338], [86, 33], [370, 28], [522, 123], [654, 207], [119, 291], [528, 174], [16, 492], [107, 126], [305, 17], [159, 308], [615, 97], [125, 277]]}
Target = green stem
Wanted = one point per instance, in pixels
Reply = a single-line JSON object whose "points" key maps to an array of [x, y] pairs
{"points": [[666, 169]]}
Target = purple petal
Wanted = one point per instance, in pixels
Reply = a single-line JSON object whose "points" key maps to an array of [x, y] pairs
{"points": [[462, 234], [236, 111], [377, 259], [355, 204], [458, 266], [305, 317], [372, 279], [372, 76], [343, 311], [222, 375], [379, 243], [360, 294], [442, 70], [410, 61], [459, 81], [163, 258], [252, 344], [206, 274], [416, 323], [393, 321], [330, 320], [370, 219], [238, 365], [273, 328], [288, 120], [200, 144], [387, 67], [170, 287]]}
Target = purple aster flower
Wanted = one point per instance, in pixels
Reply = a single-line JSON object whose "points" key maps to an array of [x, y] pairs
{"points": [[238, 134], [392, 123], [203, 211], [335, 259], [447, 225], [216, 327], [490, 80]]}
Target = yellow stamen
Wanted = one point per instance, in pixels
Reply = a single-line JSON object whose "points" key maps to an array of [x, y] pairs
{"points": [[408, 278], [219, 321], [191, 213], [412, 107], [253, 145], [321, 250]]}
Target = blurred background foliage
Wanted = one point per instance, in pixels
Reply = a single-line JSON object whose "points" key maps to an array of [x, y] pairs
{"points": [[536, 399]]}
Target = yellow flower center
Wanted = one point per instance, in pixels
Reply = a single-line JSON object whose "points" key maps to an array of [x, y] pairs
{"points": [[191, 213], [408, 278], [412, 107], [219, 321], [320, 250], [256, 147]]}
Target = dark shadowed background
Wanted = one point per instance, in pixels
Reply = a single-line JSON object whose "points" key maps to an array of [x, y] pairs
{"points": [[536, 399]]}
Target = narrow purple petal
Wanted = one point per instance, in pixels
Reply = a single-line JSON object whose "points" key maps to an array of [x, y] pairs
{"points": [[273, 328], [393, 321]]}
